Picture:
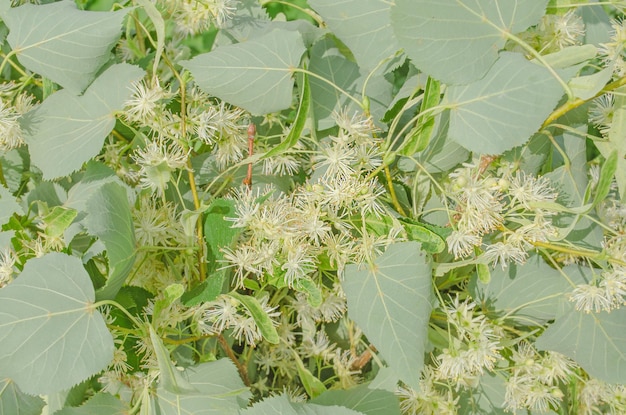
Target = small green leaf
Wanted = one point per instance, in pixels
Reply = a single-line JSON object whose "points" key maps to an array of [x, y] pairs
{"points": [[391, 303], [312, 291], [281, 405], [298, 124], [63, 43], [57, 221], [171, 379], [419, 137], [218, 234], [312, 385], [51, 335], [262, 320], [483, 273], [159, 26], [609, 167], [254, 75], [110, 220], [431, 241], [67, 130]]}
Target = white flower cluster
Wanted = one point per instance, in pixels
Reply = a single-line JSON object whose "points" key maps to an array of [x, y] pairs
{"points": [[511, 204]]}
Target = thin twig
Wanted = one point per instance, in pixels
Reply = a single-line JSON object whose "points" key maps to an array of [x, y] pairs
{"points": [[251, 133], [243, 372]]}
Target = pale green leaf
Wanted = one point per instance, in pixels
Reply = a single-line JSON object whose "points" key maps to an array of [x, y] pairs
{"points": [[276, 405], [362, 399], [67, 130], [617, 140], [101, 404], [8, 205], [569, 56], [14, 402], [597, 22], [312, 385], [529, 291], [63, 43], [586, 87], [170, 379], [419, 137], [457, 41], [363, 25], [255, 75], [391, 304], [596, 341], [159, 26], [109, 218], [505, 108], [219, 390], [58, 220], [261, 319], [51, 336]]}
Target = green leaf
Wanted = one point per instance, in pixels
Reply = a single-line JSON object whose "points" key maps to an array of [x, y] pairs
{"points": [[219, 390], [431, 242], [218, 234], [298, 125], [14, 402], [110, 220], [58, 220], [312, 385], [617, 140], [8, 205], [609, 167], [262, 320], [312, 291], [170, 378], [63, 43], [505, 108], [101, 404], [281, 405], [159, 25], [419, 137], [586, 87], [67, 130], [362, 399], [254, 75], [363, 25], [51, 335], [533, 290], [597, 342], [457, 41], [391, 304]]}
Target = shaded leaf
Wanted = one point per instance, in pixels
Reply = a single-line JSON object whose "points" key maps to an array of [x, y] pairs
{"points": [[170, 379], [419, 137], [312, 385], [51, 336], [101, 404], [617, 140], [14, 402], [67, 130], [255, 75], [362, 399], [110, 220], [63, 43], [457, 41], [391, 304], [363, 25], [505, 108]]}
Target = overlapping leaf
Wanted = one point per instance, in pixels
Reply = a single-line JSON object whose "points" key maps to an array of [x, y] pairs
{"points": [[220, 390], [281, 405], [617, 140], [101, 404], [8, 205], [14, 402], [531, 290], [255, 75], [51, 337], [391, 304], [457, 41], [67, 130], [505, 108], [110, 220], [596, 341], [363, 25], [61, 42], [362, 399]]}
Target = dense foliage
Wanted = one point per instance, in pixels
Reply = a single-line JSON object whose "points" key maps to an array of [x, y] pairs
{"points": [[313, 207]]}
